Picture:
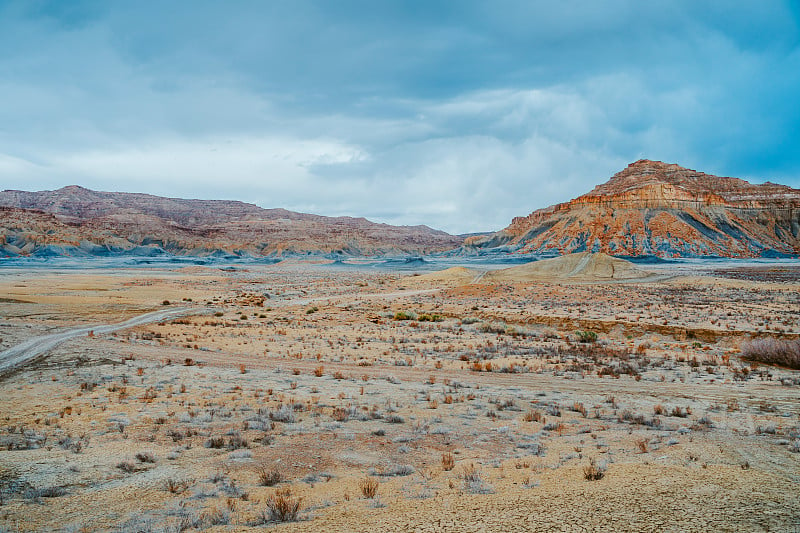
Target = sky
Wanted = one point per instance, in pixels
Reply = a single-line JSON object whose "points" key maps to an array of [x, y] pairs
{"points": [[456, 114]]}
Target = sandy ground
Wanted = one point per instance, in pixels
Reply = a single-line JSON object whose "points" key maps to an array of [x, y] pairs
{"points": [[470, 406]]}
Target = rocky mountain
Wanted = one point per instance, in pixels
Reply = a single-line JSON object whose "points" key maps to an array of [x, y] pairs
{"points": [[656, 208], [74, 220]]}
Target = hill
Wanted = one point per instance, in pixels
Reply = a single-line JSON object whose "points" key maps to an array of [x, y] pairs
{"points": [[74, 220], [656, 208]]}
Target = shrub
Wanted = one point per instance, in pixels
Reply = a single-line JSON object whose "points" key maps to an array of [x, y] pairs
{"points": [[282, 506], [126, 466], [448, 461], [587, 336], [642, 445], [473, 481], [593, 472], [268, 477], [773, 352], [369, 487], [340, 414], [215, 442], [533, 416], [145, 457], [282, 414], [176, 486], [402, 315]]}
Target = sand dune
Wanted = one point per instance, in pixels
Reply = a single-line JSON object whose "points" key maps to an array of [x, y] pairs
{"points": [[584, 266]]}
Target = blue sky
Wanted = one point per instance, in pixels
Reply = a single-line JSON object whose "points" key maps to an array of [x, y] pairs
{"points": [[455, 114]]}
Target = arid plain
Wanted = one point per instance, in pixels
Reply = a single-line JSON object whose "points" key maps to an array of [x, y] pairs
{"points": [[313, 397]]}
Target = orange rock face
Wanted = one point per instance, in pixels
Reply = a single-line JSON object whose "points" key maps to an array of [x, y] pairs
{"points": [[655, 208]]}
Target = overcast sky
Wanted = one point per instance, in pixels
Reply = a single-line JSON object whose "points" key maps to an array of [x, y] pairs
{"points": [[455, 114]]}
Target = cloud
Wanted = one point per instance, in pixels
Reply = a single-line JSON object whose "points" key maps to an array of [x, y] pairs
{"points": [[459, 116]]}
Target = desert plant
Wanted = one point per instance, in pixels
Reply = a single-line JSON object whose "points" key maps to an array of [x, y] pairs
{"points": [[448, 461], [586, 336], [176, 486], [593, 472], [533, 416], [773, 351], [473, 481], [268, 477], [145, 457], [282, 506], [368, 487], [340, 414], [126, 466]]}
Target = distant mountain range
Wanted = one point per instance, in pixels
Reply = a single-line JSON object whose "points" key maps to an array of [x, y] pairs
{"points": [[661, 209], [649, 208], [78, 221]]}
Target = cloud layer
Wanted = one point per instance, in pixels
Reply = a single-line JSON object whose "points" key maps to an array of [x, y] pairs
{"points": [[459, 115]]}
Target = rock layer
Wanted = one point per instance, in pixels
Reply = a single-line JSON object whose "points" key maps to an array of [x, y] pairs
{"points": [[74, 220], [656, 208]]}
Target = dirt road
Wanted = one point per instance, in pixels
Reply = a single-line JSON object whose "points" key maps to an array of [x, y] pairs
{"points": [[24, 352]]}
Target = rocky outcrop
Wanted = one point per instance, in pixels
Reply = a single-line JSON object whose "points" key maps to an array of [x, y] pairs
{"points": [[656, 208], [78, 221]]}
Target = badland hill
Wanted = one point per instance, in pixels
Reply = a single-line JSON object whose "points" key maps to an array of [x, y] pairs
{"points": [[656, 208], [78, 221]]}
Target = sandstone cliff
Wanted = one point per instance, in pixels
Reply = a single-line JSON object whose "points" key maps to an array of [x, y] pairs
{"points": [[655, 208]]}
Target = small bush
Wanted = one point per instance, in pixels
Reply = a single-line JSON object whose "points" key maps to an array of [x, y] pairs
{"points": [[448, 461], [215, 442], [773, 352], [268, 477], [145, 457], [394, 419], [369, 487], [176, 486], [587, 336], [593, 472], [402, 315], [340, 414], [127, 467], [282, 507], [473, 481]]}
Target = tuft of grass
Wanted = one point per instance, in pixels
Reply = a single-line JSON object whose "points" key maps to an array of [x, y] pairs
{"points": [[127, 467], [448, 461], [145, 457], [368, 487], [268, 477], [593, 472], [176, 486], [282, 506], [641, 444]]}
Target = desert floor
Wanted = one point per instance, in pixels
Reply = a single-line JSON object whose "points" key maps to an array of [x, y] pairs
{"points": [[472, 407]]}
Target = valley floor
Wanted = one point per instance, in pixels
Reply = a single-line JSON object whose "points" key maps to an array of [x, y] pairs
{"points": [[379, 401]]}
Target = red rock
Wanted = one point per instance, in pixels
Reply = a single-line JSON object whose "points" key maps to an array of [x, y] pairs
{"points": [[666, 210]]}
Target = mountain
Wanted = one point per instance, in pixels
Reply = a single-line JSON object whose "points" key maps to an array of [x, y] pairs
{"points": [[656, 208], [74, 220]]}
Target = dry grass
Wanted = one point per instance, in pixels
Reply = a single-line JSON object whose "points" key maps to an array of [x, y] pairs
{"points": [[268, 477], [283, 506], [368, 487], [448, 461], [593, 472]]}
